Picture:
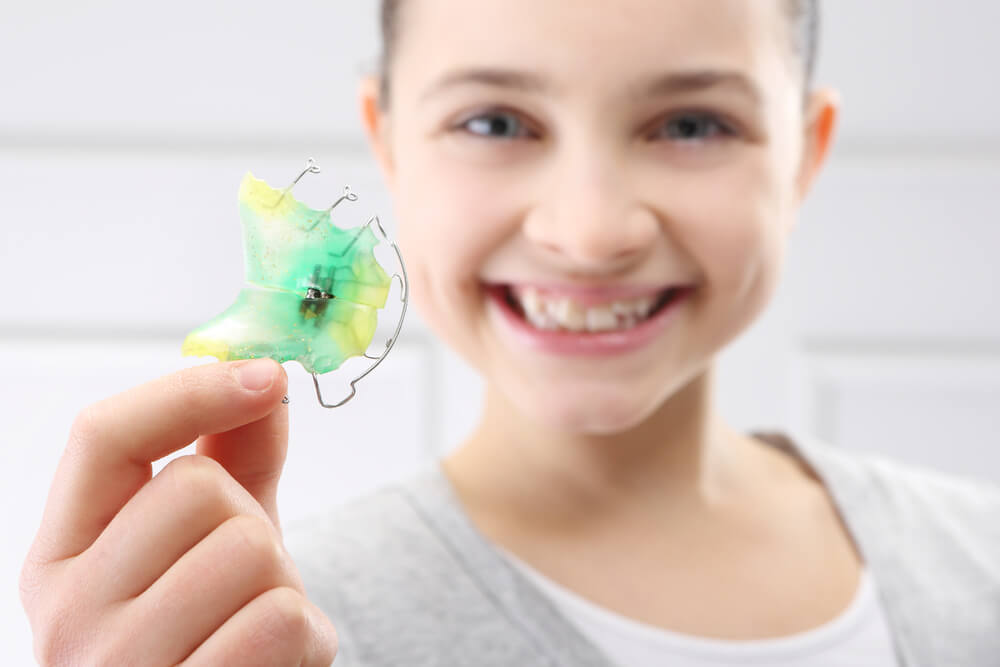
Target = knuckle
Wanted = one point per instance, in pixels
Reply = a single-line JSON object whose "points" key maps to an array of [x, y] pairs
{"points": [[258, 541], [286, 616], [29, 584], [58, 601], [325, 649], [48, 649], [197, 476], [116, 648], [55, 640], [195, 465], [86, 426], [43, 597]]}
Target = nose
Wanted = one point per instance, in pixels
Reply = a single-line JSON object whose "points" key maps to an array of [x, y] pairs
{"points": [[590, 220]]}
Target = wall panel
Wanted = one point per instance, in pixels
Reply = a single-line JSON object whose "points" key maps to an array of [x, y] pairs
{"points": [[936, 408], [217, 72], [902, 247]]}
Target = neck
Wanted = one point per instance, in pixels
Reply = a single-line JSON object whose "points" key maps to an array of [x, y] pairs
{"points": [[675, 457]]}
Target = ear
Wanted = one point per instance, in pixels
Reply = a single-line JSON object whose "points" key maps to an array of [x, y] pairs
{"points": [[822, 112], [376, 123]]}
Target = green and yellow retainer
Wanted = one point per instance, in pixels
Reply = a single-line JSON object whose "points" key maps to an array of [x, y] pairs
{"points": [[313, 289]]}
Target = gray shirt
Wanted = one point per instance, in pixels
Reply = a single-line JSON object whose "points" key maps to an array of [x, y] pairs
{"points": [[408, 580]]}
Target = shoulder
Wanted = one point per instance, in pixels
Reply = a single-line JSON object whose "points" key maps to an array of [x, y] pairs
{"points": [[932, 541], [908, 518], [912, 493], [372, 525], [395, 579], [369, 547], [914, 524]]}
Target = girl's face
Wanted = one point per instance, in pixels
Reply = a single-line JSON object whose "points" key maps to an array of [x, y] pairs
{"points": [[594, 197]]}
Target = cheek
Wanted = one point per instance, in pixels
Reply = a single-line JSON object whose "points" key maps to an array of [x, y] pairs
{"points": [[734, 228], [452, 220], [454, 215]]}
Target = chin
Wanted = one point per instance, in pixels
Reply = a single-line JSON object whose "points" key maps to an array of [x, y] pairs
{"points": [[605, 410]]}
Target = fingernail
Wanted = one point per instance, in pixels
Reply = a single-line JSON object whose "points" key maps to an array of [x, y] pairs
{"points": [[256, 375]]}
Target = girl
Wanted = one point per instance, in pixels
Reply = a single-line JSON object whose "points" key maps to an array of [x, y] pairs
{"points": [[593, 198]]}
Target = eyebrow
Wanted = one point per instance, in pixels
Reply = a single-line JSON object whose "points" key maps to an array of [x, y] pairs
{"points": [[700, 80], [665, 84], [496, 78]]}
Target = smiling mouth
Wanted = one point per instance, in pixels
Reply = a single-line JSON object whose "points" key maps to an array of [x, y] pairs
{"points": [[561, 313]]}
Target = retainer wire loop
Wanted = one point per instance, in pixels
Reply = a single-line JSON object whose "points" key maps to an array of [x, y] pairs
{"points": [[313, 168], [404, 298]]}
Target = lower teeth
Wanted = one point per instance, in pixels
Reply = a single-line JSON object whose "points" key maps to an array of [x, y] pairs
{"points": [[546, 322]]}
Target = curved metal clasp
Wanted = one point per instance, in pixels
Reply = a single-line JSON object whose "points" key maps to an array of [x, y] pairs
{"points": [[348, 195], [310, 168], [313, 168], [404, 297]]}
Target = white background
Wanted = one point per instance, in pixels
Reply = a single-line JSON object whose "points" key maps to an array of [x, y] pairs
{"points": [[125, 128]]}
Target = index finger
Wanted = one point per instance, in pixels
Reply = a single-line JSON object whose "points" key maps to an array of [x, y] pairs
{"points": [[113, 443]]}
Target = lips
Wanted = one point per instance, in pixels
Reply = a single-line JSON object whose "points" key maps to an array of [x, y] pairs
{"points": [[585, 321]]}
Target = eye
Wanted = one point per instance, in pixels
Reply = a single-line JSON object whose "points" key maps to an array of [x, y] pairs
{"points": [[496, 125], [692, 127]]}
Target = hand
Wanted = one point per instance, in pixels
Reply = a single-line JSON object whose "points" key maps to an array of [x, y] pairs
{"points": [[184, 567]]}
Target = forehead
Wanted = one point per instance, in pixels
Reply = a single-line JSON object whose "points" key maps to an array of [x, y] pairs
{"points": [[594, 40]]}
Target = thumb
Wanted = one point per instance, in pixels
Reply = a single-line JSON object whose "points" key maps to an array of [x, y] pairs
{"points": [[254, 454]]}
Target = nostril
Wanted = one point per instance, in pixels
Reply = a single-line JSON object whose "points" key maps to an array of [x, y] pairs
{"points": [[593, 237], [595, 253]]}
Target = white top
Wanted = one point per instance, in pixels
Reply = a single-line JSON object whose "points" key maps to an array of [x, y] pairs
{"points": [[858, 637]]}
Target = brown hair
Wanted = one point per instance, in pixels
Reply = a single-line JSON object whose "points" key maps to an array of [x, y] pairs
{"points": [[803, 15]]}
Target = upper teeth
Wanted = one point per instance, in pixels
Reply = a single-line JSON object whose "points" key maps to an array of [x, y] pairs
{"points": [[546, 311]]}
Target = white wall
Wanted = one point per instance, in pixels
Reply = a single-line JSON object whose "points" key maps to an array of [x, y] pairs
{"points": [[125, 128]]}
